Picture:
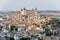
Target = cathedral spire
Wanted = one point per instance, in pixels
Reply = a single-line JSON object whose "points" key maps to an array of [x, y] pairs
{"points": [[21, 9], [24, 9], [35, 8]]}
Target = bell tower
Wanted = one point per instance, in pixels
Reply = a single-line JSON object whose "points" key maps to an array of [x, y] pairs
{"points": [[23, 11], [35, 11]]}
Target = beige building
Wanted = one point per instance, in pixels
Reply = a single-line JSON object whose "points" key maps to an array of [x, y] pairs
{"points": [[29, 19]]}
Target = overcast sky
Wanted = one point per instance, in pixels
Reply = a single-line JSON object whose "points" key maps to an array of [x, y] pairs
{"points": [[15, 5]]}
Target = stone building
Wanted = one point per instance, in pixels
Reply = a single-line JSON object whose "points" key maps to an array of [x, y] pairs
{"points": [[30, 19]]}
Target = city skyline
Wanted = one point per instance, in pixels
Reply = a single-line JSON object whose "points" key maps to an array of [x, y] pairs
{"points": [[16, 5]]}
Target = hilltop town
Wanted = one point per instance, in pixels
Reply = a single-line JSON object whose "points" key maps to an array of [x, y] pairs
{"points": [[27, 23], [25, 18]]}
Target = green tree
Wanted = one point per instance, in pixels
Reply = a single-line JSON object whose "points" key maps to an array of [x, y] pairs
{"points": [[48, 32], [12, 28]]}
